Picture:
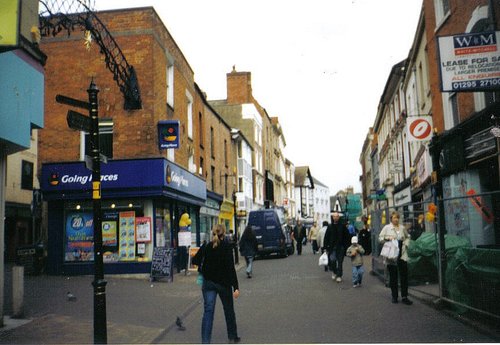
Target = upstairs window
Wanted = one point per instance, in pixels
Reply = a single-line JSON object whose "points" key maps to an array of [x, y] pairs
{"points": [[189, 110], [26, 175], [441, 8], [170, 84]]}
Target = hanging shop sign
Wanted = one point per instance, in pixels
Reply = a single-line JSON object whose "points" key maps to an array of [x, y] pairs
{"points": [[480, 144], [469, 62], [168, 134], [419, 128]]}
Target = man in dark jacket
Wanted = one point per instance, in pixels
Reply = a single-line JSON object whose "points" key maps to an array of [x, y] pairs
{"points": [[337, 240], [299, 233]]}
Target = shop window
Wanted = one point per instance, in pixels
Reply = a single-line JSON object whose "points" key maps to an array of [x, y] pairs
{"points": [[163, 221], [126, 233], [26, 175]]}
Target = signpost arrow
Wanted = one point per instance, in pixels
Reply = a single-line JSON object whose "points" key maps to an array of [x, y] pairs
{"points": [[79, 121], [73, 102]]}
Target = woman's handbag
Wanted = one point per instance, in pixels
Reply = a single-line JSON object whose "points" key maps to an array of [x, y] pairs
{"points": [[198, 260], [390, 250], [323, 259]]}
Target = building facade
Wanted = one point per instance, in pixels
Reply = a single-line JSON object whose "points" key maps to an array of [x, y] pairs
{"points": [[438, 116], [321, 200], [142, 182]]}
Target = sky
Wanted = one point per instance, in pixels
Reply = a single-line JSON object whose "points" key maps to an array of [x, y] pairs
{"points": [[320, 66]]}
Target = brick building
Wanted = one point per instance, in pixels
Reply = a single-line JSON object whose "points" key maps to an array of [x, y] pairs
{"points": [[141, 183]]}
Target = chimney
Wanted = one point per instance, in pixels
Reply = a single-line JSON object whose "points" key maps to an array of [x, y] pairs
{"points": [[239, 87]]}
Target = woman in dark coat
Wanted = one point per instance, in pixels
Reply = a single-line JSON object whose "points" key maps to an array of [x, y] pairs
{"points": [[365, 237], [248, 248], [219, 278]]}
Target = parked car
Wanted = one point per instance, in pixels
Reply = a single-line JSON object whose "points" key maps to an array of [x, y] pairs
{"points": [[273, 236]]}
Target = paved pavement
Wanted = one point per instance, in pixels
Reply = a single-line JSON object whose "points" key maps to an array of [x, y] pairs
{"points": [[144, 312]]}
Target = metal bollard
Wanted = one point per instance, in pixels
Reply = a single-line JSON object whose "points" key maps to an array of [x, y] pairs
{"points": [[18, 292]]}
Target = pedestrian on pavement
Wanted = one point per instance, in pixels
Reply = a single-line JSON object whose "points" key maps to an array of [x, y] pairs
{"points": [[337, 239], [352, 229], [299, 233], [365, 237], [356, 252], [418, 228], [289, 229], [397, 267], [248, 248], [219, 278], [313, 237], [321, 239]]}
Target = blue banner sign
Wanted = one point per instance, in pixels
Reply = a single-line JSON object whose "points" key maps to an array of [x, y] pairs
{"points": [[117, 175]]}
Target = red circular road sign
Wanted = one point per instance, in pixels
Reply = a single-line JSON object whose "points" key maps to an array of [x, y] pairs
{"points": [[420, 129]]}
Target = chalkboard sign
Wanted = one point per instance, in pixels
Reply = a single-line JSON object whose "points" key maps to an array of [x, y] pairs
{"points": [[161, 265]]}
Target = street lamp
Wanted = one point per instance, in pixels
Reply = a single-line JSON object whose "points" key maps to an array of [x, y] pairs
{"points": [[236, 237]]}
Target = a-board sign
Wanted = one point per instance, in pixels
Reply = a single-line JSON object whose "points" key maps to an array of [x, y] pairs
{"points": [[161, 265]]}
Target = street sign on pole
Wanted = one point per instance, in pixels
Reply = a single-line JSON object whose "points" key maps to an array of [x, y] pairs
{"points": [[73, 102], [89, 163], [79, 121]]}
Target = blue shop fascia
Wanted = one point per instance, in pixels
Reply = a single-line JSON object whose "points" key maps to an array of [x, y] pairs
{"points": [[141, 202]]}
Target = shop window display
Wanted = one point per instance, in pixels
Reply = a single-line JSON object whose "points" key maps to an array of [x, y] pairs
{"points": [[126, 235]]}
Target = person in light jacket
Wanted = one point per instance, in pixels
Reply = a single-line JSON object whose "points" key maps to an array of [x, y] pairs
{"points": [[397, 268], [313, 237], [355, 252]]}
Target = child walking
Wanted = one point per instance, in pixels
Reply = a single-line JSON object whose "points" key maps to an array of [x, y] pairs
{"points": [[355, 252]]}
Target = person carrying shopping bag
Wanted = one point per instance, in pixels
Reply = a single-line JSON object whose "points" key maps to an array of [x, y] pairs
{"points": [[397, 267]]}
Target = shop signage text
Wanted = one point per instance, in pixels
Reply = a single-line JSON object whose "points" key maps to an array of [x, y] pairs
{"points": [[469, 62]]}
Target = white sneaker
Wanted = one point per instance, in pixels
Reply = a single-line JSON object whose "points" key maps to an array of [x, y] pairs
{"points": [[338, 280], [333, 276]]}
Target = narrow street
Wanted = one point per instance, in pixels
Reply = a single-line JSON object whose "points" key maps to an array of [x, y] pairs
{"points": [[293, 300], [288, 300]]}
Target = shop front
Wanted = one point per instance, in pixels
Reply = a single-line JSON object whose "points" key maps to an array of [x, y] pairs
{"points": [[141, 205], [226, 215], [209, 215]]}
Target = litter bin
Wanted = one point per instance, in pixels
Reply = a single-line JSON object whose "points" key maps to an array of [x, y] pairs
{"points": [[31, 258]]}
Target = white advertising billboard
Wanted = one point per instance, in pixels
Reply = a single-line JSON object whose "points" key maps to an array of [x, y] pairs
{"points": [[469, 62]]}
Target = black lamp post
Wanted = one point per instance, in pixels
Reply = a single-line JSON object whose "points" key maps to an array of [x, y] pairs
{"points": [[99, 284], [236, 237]]}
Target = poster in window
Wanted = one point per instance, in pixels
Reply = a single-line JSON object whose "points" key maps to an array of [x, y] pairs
{"points": [[109, 233], [143, 229], [79, 237], [127, 236]]}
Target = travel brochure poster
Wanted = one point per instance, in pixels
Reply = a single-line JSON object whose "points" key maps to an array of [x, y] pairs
{"points": [[127, 236], [109, 233], [79, 237]]}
